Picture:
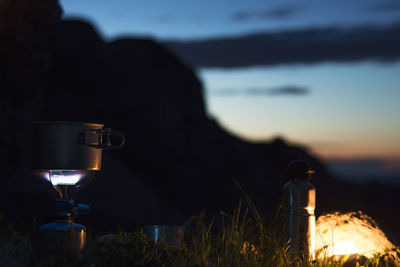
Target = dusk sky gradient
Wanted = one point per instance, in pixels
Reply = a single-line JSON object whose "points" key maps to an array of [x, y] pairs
{"points": [[345, 110]]}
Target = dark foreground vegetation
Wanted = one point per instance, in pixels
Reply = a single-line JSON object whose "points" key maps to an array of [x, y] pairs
{"points": [[240, 239]]}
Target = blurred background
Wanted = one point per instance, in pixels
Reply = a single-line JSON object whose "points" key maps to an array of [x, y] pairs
{"points": [[206, 92], [322, 74]]}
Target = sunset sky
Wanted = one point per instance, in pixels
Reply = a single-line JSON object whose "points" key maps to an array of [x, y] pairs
{"points": [[340, 110]]}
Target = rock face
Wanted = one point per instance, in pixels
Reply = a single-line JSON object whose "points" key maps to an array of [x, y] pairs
{"points": [[141, 89], [176, 161]]}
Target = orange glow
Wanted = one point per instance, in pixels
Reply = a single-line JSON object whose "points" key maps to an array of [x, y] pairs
{"points": [[349, 233]]}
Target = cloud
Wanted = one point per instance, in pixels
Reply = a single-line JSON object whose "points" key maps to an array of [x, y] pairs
{"points": [[275, 13], [261, 91], [386, 6], [293, 47], [280, 12], [242, 15], [290, 90]]}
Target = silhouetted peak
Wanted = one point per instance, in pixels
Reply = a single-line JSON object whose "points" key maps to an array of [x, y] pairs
{"points": [[279, 142], [146, 50], [77, 36]]}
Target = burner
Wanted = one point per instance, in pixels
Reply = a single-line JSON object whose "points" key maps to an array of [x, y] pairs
{"points": [[67, 154], [67, 182]]}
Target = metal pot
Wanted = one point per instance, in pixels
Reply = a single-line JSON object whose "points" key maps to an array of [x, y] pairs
{"points": [[58, 145]]}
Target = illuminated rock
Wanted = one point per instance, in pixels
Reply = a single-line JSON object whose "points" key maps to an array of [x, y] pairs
{"points": [[349, 233]]}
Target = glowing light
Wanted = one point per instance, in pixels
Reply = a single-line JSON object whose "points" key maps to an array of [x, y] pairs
{"points": [[63, 177], [344, 248], [349, 233]]}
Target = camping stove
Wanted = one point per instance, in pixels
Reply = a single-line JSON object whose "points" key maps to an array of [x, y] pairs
{"points": [[67, 154]]}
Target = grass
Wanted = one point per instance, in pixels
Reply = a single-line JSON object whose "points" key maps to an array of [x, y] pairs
{"points": [[238, 239], [241, 239]]}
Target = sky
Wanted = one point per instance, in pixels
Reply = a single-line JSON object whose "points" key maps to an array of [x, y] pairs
{"points": [[184, 19], [345, 111]]}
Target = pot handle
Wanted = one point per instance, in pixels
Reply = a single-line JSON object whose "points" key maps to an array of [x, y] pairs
{"points": [[100, 139]]}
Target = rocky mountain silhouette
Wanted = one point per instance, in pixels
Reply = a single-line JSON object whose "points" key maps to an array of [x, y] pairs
{"points": [[177, 160]]}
